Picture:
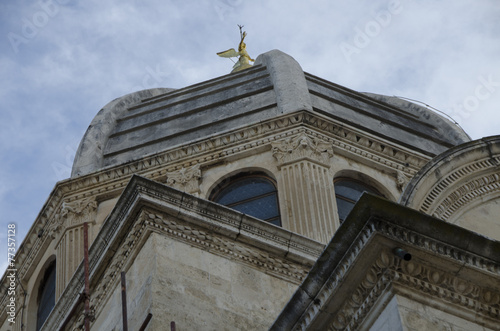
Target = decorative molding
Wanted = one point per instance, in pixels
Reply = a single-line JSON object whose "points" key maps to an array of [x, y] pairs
{"points": [[151, 221], [185, 179], [112, 273], [419, 278], [363, 144], [205, 152], [388, 272], [227, 248], [197, 223], [438, 248], [456, 176], [243, 140], [375, 283], [302, 147], [465, 194]]}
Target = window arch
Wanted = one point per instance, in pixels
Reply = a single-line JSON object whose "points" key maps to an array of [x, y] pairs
{"points": [[46, 298], [347, 193], [254, 194]]}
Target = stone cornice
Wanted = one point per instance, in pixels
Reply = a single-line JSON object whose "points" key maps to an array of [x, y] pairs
{"points": [[244, 140], [147, 206], [111, 181], [392, 274], [447, 263]]}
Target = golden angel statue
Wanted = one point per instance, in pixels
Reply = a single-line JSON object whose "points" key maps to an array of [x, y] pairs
{"points": [[244, 59]]}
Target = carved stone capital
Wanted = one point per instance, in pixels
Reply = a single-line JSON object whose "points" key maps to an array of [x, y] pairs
{"points": [[80, 211], [185, 179], [302, 147], [74, 213]]}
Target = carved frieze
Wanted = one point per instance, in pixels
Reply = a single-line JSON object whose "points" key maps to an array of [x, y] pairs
{"points": [[202, 238], [52, 217], [302, 147], [227, 247], [185, 179], [389, 272], [458, 181]]}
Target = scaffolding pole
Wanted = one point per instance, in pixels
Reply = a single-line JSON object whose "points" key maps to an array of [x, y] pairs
{"points": [[124, 301], [87, 281]]}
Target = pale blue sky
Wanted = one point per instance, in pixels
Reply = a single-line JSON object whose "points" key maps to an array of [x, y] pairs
{"points": [[62, 61]]}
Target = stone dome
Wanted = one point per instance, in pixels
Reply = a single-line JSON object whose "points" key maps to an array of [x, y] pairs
{"points": [[151, 121]]}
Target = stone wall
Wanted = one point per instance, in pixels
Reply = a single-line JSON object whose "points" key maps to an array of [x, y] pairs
{"points": [[194, 288]]}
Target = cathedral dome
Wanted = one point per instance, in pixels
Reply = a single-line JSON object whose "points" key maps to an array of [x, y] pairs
{"points": [[151, 121]]}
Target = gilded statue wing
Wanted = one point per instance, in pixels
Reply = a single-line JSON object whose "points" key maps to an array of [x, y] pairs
{"points": [[229, 53]]}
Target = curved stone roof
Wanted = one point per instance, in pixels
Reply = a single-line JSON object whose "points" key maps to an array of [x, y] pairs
{"points": [[460, 177], [151, 121]]}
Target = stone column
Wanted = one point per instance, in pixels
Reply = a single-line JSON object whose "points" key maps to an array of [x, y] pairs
{"points": [[69, 249], [306, 186]]}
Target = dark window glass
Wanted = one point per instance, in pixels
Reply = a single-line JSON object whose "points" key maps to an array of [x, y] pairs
{"points": [[254, 195], [344, 207], [46, 296], [347, 193]]}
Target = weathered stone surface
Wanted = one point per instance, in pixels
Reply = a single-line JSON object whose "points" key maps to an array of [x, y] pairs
{"points": [[89, 156], [288, 80], [198, 263], [146, 123], [451, 269], [461, 186], [182, 255]]}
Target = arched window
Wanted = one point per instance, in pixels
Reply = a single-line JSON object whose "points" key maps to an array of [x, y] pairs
{"points": [[46, 295], [347, 193], [253, 194]]}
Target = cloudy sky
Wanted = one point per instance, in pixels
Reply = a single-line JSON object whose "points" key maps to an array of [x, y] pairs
{"points": [[62, 61]]}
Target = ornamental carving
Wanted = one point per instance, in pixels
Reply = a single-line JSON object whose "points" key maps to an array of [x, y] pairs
{"points": [[302, 147], [205, 239], [475, 189], [441, 285], [185, 179], [227, 247], [401, 180], [388, 272], [74, 213], [457, 181], [207, 151]]}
